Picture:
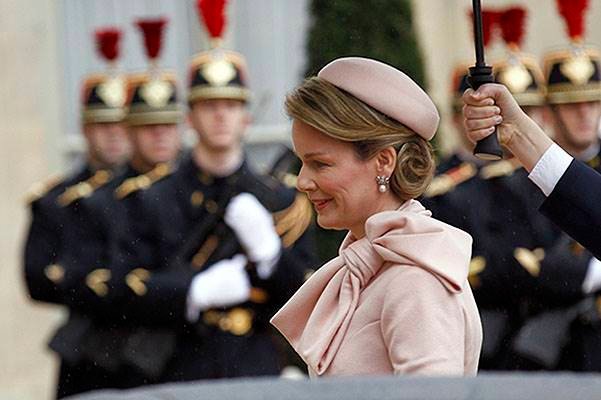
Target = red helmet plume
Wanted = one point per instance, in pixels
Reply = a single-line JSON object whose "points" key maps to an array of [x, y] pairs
{"points": [[107, 42], [152, 29]]}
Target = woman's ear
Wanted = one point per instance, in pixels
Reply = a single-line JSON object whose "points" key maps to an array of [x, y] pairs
{"points": [[386, 161]]}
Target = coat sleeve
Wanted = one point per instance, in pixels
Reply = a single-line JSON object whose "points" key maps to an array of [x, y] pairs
{"points": [[423, 325], [41, 247], [573, 206]]}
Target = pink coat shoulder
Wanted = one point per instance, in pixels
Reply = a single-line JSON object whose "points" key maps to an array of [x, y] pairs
{"points": [[427, 328]]}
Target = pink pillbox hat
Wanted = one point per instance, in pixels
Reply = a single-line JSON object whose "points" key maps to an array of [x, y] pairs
{"points": [[386, 89]]}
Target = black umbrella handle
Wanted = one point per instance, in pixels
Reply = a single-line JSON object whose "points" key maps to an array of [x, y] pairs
{"points": [[487, 148]]}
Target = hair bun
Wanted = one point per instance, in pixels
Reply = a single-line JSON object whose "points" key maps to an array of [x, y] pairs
{"points": [[414, 169]]}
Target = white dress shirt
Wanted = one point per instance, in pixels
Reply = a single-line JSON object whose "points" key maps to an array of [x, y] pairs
{"points": [[550, 168]]}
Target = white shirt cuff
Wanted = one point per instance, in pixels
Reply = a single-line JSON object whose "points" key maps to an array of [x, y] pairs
{"points": [[550, 168], [592, 281]]}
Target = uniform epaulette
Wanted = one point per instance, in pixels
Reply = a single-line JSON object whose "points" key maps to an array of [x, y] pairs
{"points": [[498, 169], [477, 265], [40, 189], [529, 259], [448, 180], [85, 188], [293, 221], [142, 182]]}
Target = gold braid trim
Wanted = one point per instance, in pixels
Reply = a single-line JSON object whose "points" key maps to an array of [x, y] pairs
{"points": [[447, 181], [142, 182], [293, 221], [205, 252], [84, 189], [40, 189], [499, 169]]}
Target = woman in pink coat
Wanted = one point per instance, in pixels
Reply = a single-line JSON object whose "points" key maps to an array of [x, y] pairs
{"points": [[396, 300]]}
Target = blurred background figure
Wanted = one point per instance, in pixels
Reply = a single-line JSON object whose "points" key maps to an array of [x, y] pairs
{"points": [[567, 276], [502, 286], [106, 345], [219, 247], [52, 243]]}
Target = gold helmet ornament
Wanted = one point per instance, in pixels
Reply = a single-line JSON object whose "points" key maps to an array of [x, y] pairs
{"points": [[103, 94], [572, 74], [519, 72], [216, 73], [152, 95]]}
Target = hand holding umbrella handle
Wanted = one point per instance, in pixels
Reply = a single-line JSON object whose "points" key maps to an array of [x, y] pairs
{"points": [[487, 148]]}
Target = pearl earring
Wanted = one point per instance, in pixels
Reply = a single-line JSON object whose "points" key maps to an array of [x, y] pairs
{"points": [[383, 182]]}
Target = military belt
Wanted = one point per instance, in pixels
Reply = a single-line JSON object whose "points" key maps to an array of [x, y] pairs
{"points": [[237, 321]]}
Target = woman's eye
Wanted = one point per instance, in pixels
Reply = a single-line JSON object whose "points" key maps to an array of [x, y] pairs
{"points": [[320, 164]]}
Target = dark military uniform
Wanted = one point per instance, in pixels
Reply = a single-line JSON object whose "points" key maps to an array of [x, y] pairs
{"points": [[572, 76], [42, 275], [562, 315], [547, 291], [180, 233], [495, 205], [110, 345], [61, 250]]}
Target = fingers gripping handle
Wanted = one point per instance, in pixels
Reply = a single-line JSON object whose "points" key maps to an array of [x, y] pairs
{"points": [[487, 148]]}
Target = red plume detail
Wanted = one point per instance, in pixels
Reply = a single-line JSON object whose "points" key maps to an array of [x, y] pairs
{"points": [[107, 43], [212, 13], [572, 12], [490, 18], [152, 29], [512, 23]]}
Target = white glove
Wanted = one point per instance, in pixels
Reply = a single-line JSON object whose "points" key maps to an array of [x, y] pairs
{"points": [[254, 228], [224, 284], [592, 279]]}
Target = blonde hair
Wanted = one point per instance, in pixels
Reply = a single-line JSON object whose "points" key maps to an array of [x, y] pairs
{"points": [[342, 116]]}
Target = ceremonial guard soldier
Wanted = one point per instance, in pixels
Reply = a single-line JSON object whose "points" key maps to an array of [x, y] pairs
{"points": [[48, 278], [566, 275], [503, 288], [493, 204], [113, 344], [228, 246]]}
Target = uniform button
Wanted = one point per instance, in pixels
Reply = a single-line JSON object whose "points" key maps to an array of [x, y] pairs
{"points": [[205, 178], [197, 198], [211, 206], [55, 273], [240, 321]]}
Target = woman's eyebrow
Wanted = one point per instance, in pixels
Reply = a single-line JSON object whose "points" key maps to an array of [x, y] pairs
{"points": [[314, 154]]}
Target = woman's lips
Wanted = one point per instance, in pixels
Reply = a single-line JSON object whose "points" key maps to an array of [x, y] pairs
{"points": [[320, 204]]}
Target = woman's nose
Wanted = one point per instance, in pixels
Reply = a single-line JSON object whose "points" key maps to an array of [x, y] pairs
{"points": [[303, 182]]}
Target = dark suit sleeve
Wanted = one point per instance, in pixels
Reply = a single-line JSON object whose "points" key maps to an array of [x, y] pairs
{"points": [[575, 206]]}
